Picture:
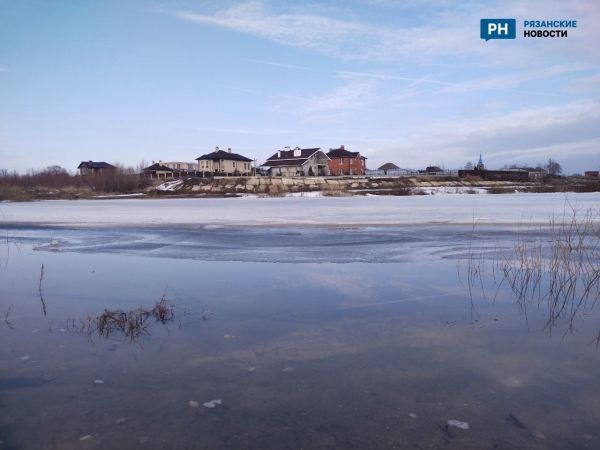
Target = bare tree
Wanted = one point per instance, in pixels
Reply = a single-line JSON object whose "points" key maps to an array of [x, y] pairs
{"points": [[553, 167]]}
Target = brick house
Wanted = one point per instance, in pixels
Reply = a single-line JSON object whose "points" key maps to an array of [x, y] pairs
{"points": [[344, 162]]}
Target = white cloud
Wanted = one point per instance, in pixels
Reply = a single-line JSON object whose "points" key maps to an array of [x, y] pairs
{"points": [[513, 79], [394, 77], [278, 64], [345, 39], [564, 132], [355, 94], [252, 131]]}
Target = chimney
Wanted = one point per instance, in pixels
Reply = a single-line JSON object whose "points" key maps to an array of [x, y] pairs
{"points": [[279, 153], [342, 147], [216, 148], [229, 150]]}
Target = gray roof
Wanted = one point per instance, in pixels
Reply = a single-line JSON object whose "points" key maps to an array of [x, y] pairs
{"points": [[95, 165], [157, 166], [389, 166], [222, 154], [342, 153], [290, 158]]}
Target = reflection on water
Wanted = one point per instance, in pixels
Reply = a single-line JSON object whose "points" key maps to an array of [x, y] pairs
{"points": [[313, 355]]}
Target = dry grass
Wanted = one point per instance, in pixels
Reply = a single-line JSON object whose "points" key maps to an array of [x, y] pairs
{"points": [[558, 272], [131, 324]]}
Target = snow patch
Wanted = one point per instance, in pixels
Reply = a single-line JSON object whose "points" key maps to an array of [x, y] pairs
{"points": [[169, 185]]}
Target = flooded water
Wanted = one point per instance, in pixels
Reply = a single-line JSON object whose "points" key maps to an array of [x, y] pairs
{"points": [[322, 337]]}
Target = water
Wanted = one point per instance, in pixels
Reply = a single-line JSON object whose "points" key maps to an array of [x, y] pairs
{"points": [[312, 337]]}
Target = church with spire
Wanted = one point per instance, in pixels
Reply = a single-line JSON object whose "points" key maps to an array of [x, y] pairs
{"points": [[480, 165]]}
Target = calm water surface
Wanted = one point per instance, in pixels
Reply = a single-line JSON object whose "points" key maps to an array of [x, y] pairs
{"points": [[310, 337]]}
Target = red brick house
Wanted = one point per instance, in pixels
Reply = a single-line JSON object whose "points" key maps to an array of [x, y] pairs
{"points": [[343, 162]]}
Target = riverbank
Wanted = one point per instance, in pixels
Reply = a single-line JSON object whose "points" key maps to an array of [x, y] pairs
{"points": [[318, 186]]}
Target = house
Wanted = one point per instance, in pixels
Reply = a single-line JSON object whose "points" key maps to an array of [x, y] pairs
{"points": [[158, 170], [94, 168], [433, 169], [298, 162], [344, 162], [181, 166], [591, 174], [387, 167], [221, 162]]}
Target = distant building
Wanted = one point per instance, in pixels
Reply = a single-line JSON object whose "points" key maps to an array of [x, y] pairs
{"points": [[298, 162], [344, 162], [591, 174], [221, 162], [388, 167], [536, 173], [94, 168], [157, 170], [480, 165], [433, 169], [495, 175], [181, 165]]}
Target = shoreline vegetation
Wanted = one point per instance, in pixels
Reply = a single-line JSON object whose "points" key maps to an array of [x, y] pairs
{"points": [[62, 186]]}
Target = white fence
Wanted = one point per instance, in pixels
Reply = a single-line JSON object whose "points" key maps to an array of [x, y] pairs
{"points": [[410, 173]]}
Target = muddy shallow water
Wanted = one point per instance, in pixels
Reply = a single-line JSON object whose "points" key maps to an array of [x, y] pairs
{"points": [[361, 337]]}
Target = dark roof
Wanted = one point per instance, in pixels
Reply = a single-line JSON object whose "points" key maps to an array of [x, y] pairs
{"points": [[292, 157], [157, 166], [342, 153], [285, 162], [222, 154], [389, 166], [95, 165]]}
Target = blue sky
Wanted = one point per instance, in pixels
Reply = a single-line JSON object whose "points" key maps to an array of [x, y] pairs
{"points": [[407, 81]]}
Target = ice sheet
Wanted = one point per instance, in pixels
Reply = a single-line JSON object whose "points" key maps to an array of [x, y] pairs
{"points": [[301, 211]]}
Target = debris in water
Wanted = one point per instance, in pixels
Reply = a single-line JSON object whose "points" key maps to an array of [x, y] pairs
{"points": [[228, 336], [586, 436], [121, 420], [40, 290], [540, 435], [87, 437], [98, 381], [251, 369], [54, 243], [193, 403], [287, 369], [212, 403], [413, 416], [25, 358], [458, 424], [516, 422]]}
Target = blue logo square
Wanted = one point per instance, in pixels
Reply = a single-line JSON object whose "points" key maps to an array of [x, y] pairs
{"points": [[498, 29]]}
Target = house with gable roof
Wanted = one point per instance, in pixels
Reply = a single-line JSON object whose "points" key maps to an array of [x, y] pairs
{"points": [[221, 162], [344, 162], [298, 162]]}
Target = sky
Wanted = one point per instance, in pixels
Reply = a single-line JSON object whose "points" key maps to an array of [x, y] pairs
{"points": [[408, 82]]}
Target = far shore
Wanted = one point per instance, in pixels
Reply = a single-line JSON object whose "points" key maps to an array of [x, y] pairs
{"points": [[231, 187]]}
